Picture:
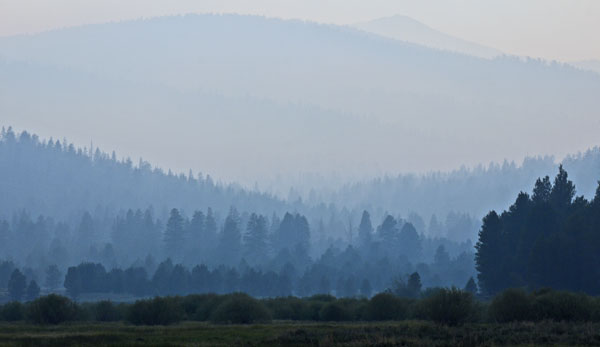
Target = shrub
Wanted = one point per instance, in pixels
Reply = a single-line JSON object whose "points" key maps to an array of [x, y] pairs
{"points": [[240, 308], [53, 309], [157, 311], [13, 311], [205, 305], [511, 305], [335, 312], [449, 306], [562, 306], [322, 298], [200, 307], [386, 306], [291, 308], [106, 311]]}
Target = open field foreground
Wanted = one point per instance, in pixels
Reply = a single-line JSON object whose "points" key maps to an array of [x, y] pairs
{"points": [[407, 333]]}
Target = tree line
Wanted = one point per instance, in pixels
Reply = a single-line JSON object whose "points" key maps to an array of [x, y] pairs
{"points": [[547, 239]]}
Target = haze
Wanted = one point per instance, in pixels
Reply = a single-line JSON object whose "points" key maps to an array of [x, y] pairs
{"points": [[552, 29]]}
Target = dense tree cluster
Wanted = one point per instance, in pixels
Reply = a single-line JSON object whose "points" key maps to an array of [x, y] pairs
{"points": [[262, 255], [547, 239]]}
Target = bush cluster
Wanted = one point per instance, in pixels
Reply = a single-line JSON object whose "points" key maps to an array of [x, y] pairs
{"points": [[446, 306], [518, 305]]}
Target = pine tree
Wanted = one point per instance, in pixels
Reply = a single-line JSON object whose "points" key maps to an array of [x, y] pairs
{"points": [[230, 244], [489, 254], [174, 234], [53, 277], [33, 291], [541, 191], [196, 234], [255, 240], [471, 286], [413, 285], [365, 229], [563, 190], [388, 234], [17, 285]]}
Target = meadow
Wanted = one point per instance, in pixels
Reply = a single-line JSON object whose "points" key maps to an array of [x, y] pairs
{"points": [[285, 333]]}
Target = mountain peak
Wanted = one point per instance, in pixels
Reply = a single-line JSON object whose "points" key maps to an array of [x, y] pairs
{"points": [[404, 28]]}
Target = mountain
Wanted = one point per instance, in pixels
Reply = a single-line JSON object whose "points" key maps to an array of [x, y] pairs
{"points": [[407, 29], [246, 98]]}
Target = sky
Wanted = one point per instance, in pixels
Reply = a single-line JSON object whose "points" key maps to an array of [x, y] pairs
{"points": [[565, 30]]}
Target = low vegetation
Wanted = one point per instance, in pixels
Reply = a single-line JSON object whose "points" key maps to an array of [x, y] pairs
{"points": [[443, 306]]}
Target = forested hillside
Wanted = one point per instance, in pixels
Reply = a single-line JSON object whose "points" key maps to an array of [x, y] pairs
{"points": [[289, 96], [57, 179], [475, 191]]}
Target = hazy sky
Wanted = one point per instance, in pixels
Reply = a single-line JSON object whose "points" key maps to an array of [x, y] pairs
{"points": [[553, 29]]}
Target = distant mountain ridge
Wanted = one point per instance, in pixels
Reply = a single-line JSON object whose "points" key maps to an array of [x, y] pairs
{"points": [[242, 97], [407, 29]]}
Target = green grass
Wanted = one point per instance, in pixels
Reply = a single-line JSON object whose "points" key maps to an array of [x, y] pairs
{"points": [[406, 333]]}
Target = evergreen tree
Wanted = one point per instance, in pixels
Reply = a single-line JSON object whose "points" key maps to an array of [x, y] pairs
{"points": [[33, 291], [196, 246], [230, 244], [410, 242], [413, 285], [489, 254], [255, 240], [471, 286], [17, 285], [388, 234], [197, 229], [542, 190], [174, 234], [53, 277], [365, 229], [293, 234], [563, 191]]}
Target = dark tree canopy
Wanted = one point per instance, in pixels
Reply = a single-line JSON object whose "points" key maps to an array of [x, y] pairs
{"points": [[547, 240]]}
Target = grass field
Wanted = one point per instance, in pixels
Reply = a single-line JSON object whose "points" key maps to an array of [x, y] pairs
{"points": [[407, 333]]}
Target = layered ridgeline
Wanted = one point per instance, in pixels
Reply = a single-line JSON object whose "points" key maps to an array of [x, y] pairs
{"points": [[475, 191], [259, 97], [62, 205]]}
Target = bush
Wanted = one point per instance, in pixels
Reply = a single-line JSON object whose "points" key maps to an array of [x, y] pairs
{"points": [[291, 308], [158, 311], [562, 306], [511, 305], [386, 306], [13, 311], [106, 311], [199, 307], [449, 306], [240, 308], [53, 309], [335, 312]]}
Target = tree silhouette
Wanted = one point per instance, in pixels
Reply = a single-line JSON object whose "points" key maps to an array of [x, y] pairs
{"points": [[17, 285], [174, 234]]}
